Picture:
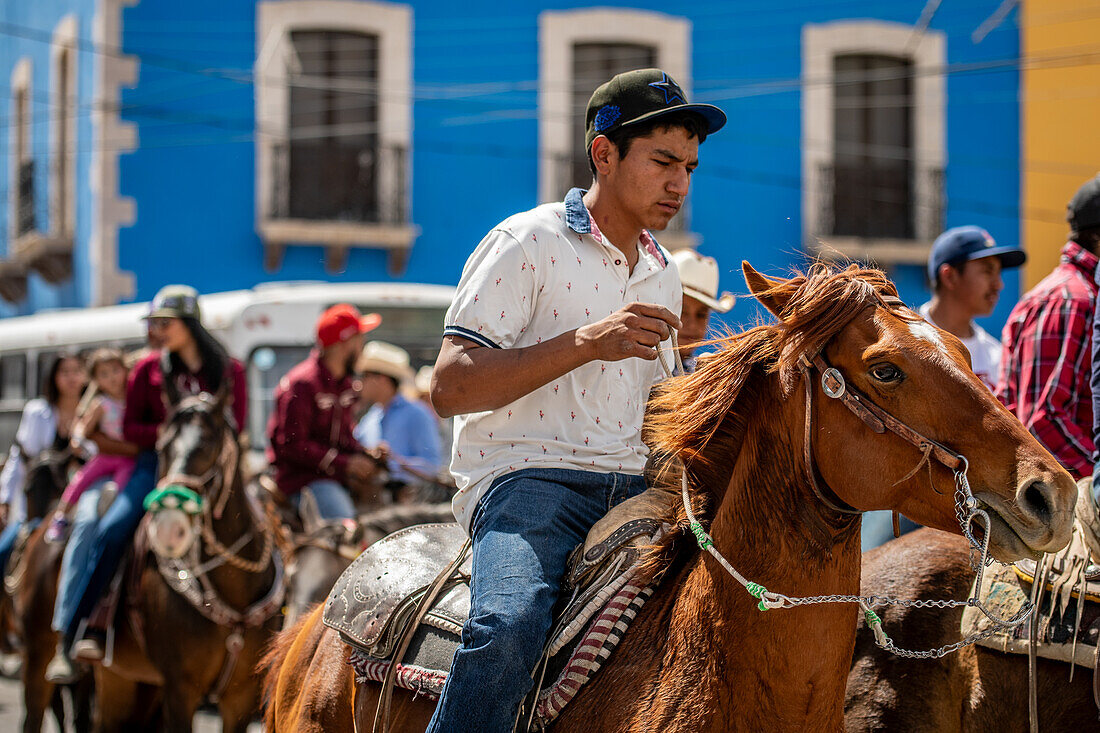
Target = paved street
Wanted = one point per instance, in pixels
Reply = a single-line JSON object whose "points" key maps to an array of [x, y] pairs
{"points": [[11, 713]]}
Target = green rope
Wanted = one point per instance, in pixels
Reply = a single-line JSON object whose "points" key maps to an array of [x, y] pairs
{"points": [[757, 591], [700, 535], [173, 497], [872, 618]]}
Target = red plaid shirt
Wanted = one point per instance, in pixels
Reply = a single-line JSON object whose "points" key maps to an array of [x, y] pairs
{"points": [[1046, 363]]}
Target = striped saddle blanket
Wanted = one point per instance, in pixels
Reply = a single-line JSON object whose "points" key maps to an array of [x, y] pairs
{"points": [[602, 595]]}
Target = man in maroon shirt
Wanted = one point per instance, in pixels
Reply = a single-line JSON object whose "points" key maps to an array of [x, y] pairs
{"points": [[1047, 340], [310, 431]]}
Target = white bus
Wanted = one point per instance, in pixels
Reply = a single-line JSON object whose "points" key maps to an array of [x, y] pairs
{"points": [[269, 328]]}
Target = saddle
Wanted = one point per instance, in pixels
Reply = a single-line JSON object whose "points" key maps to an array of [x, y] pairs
{"points": [[378, 608], [1065, 590]]}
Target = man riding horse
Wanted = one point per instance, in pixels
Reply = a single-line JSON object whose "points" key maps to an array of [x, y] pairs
{"points": [[548, 356], [311, 442]]}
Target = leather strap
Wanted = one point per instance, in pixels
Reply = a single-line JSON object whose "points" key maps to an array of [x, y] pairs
{"points": [[824, 494], [1095, 666], [1037, 584], [877, 419], [385, 697]]}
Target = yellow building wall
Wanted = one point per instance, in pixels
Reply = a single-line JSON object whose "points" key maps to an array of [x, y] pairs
{"points": [[1060, 120]]}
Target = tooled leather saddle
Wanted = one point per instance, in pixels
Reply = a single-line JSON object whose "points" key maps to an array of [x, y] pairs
{"points": [[402, 603]]}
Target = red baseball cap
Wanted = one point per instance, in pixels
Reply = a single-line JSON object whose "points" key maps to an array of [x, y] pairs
{"points": [[341, 322]]}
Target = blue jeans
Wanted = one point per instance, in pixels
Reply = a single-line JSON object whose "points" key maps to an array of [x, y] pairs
{"points": [[332, 499], [8, 537], [75, 558], [109, 542], [523, 531]]}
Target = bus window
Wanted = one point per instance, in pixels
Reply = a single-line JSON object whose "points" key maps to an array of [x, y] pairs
{"points": [[418, 331], [266, 366], [45, 361], [13, 377]]}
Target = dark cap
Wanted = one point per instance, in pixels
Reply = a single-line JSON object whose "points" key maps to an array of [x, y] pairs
{"points": [[638, 96], [1083, 210], [962, 244], [175, 301]]}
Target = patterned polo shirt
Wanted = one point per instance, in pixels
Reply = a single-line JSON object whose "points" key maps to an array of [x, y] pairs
{"points": [[535, 276]]}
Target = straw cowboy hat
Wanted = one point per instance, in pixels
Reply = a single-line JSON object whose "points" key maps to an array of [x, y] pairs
{"points": [[699, 276], [423, 380], [380, 357]]}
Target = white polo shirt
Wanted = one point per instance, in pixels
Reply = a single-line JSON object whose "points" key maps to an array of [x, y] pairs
{"points": [[535, 276]]}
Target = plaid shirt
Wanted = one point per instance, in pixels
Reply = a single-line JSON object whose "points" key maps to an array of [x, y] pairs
{"points": [[1045, 367]]}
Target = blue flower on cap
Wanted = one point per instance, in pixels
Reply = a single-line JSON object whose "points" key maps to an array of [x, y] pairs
{"points": [[607, 117]]}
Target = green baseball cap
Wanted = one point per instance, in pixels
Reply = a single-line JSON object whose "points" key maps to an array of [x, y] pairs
{"points": [[175, 301], [639, 96]]}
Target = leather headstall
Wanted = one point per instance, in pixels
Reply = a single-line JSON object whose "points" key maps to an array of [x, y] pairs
{"points": [[877, 419]]}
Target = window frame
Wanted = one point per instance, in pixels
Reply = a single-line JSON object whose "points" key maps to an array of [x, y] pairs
{"points": [[392, 24], [559, 32], [20, 139], [63, 127], [927, 52]]}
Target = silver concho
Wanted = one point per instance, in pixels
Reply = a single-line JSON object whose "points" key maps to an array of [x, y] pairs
{"points": [[832, 381]]}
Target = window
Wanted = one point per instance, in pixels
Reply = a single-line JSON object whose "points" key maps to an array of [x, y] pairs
{"points": [[333, 145], [872, 105], [63, 129], [22, 163], [13, 377], [593, 64], [335, 115], [873, 129], [578, 51]]}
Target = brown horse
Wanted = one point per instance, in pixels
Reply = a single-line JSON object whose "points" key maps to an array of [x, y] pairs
{"points": [[700, 656], [182, 648], [977, 689], [31, 585]]}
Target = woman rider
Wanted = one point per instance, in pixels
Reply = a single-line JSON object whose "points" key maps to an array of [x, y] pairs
{"points": [[46, 423], [194, 362]]}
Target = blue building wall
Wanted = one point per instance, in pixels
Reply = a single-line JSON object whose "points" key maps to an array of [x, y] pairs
{"points": [[27, 30], [475, 157]]}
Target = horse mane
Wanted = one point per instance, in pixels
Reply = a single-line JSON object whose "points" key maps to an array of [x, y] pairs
{"points": [[697, 421]]}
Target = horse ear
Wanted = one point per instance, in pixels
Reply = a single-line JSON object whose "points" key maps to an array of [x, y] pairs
{"points": [[765, 289]]}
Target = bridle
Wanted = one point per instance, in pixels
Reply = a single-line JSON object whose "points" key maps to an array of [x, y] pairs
{"points": [[877, 419], [216, 484], [968, 511]]}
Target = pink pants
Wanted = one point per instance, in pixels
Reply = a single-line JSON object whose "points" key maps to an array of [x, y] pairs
{"points": [[101, 466]]}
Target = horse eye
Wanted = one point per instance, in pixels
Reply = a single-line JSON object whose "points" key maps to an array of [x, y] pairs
{"points": [[886, 373]]}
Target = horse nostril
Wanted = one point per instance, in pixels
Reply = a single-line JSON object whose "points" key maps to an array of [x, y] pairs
{"points": [[1035, 499]]}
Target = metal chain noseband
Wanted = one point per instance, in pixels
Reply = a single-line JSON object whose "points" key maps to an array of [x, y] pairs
{"points": [[968, 511]]}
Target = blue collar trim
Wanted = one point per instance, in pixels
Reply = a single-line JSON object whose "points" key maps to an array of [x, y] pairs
{"points": [[576, 213]]}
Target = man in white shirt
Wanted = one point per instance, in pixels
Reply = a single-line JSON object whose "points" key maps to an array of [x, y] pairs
{"points": [[549, 353], [964, 269]]}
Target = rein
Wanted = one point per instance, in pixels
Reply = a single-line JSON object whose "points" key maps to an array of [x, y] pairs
{"points": [[968, 511]]}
